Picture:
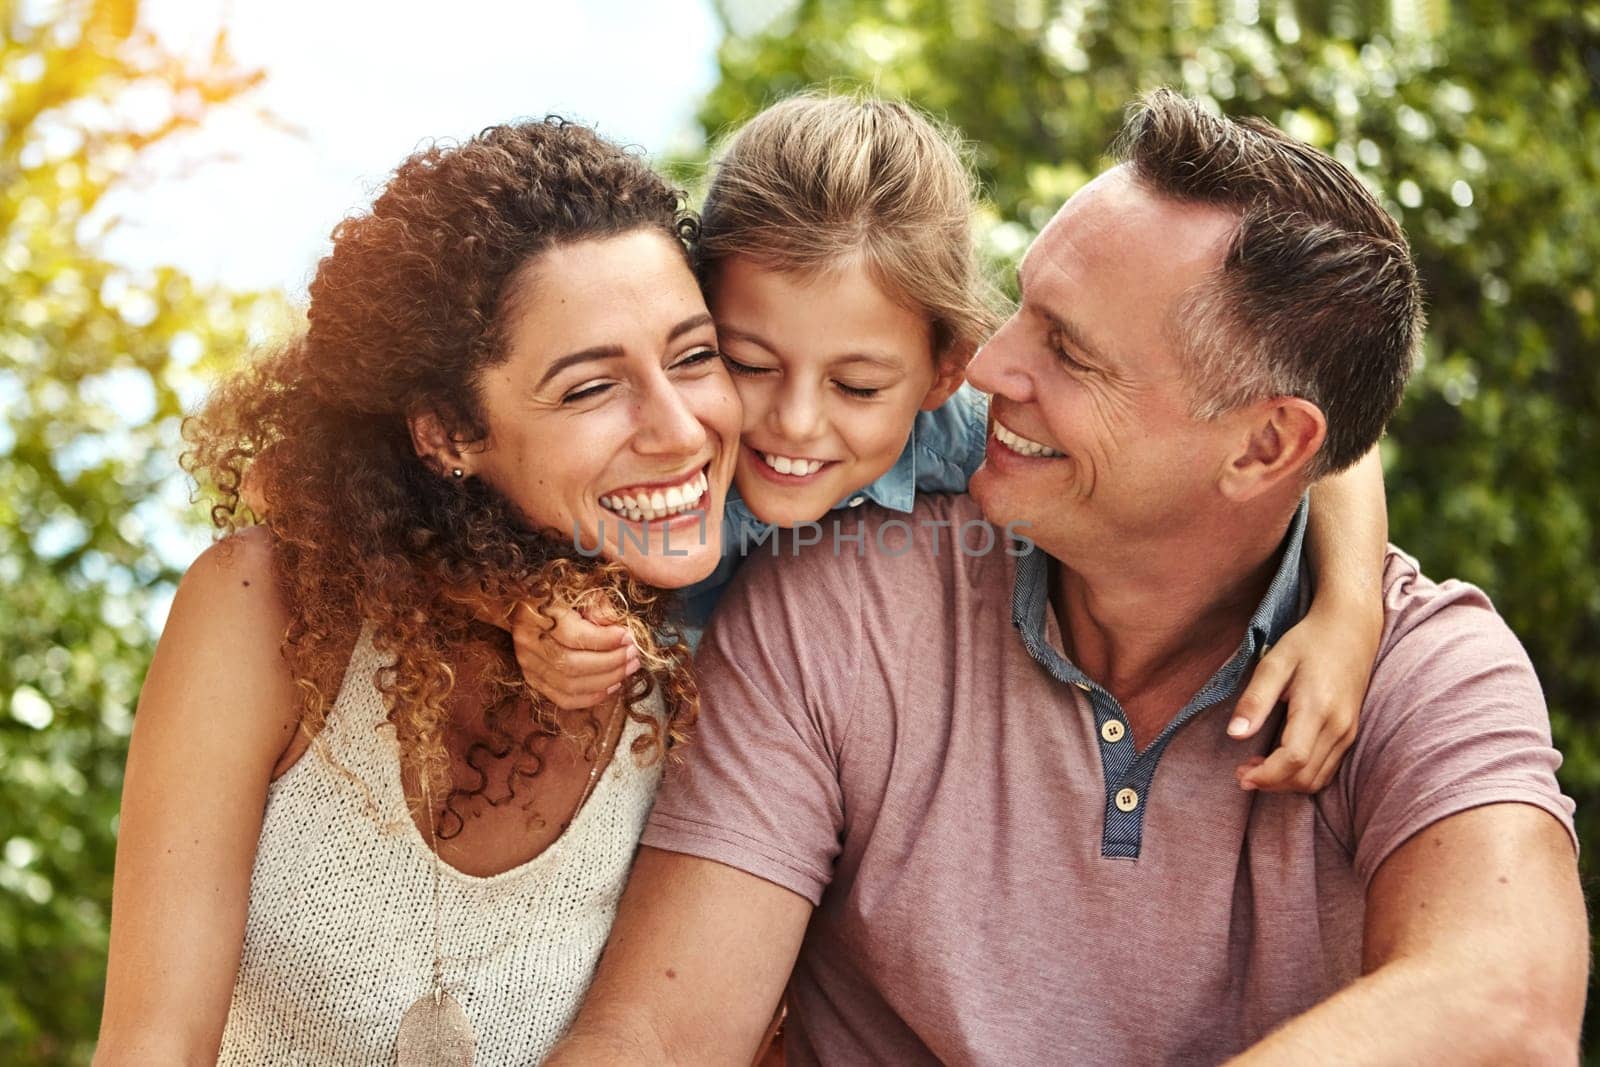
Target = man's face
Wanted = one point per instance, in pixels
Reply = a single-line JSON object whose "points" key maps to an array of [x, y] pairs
{"points": [[1091, 443]]}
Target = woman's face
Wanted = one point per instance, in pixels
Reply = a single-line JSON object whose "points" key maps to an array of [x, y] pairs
{"points": [[613, 421]]}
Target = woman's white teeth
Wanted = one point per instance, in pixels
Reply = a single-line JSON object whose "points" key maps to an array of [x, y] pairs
{"points": [[646, 505], [790, 465], [1018, 443]]}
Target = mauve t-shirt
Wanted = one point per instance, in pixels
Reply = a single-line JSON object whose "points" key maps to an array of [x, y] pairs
{"points": [[876, 738]]}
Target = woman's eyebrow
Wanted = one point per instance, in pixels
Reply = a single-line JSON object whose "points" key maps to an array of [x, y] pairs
{"points": [[604, 352], [598, 352]]}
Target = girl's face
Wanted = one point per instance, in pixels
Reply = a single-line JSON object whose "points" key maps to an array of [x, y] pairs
{"points": [[832, 372], [612, 420]]}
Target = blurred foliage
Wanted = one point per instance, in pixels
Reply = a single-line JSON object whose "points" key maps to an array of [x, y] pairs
{"points": [[96, 363], [1479, 125]]}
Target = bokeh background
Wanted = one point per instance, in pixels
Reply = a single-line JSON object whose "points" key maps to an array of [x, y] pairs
{"points": [[161, 208]]}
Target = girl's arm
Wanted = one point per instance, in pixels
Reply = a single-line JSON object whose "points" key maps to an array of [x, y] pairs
{"points": [[218, 709], [1321, 666]]}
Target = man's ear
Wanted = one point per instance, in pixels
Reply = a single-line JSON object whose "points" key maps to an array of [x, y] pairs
{"points": [[438, 450], [1280, 439], [952, 372]]}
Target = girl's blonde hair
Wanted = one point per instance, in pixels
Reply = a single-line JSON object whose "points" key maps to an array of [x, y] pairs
{"points": [[817, 179]]}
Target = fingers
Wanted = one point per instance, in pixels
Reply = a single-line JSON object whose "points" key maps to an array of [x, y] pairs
{"points": [[580, 679], [1307, 756], [569, 660], [1340, 732], [603, 613], [574, 631], [1243, 770], [1266, 689]]}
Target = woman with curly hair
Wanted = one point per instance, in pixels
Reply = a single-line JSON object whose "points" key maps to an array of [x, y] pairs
{"points": [[503, 350]]}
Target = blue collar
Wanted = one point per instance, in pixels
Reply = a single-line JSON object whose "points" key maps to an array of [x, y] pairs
{"points": [[895, 488], [1278, 611]]}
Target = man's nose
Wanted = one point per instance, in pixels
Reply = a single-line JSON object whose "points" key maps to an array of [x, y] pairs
{"points": [[998, 368]]}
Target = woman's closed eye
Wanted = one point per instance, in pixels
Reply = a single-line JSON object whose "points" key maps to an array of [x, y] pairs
{"points": [[587, 391], [591, 390], [698, 358]]}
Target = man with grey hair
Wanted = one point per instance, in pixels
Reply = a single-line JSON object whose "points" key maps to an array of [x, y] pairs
{"points": [[927, 782]]}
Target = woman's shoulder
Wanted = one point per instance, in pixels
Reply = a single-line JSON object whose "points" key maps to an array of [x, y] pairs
{"points": [[219, 693], [235, 580], [230, 614]]}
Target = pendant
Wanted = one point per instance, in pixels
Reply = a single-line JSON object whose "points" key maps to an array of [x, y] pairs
{"points": [[434, 1032]]}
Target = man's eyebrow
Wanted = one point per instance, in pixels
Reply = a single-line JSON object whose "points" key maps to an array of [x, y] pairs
{"points": [[1066, 327], [604, 352]]}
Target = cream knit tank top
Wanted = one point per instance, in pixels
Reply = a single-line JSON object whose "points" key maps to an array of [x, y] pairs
{"points": [[338, 941]]}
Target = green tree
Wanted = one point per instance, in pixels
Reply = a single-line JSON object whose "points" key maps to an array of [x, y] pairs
{"points": [[95, 363], [1478, 123]]}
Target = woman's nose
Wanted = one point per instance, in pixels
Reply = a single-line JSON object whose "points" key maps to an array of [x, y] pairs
{"points": [[668, 426]]}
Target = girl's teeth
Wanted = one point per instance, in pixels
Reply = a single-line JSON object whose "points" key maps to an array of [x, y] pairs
{"points": [[674, 497], [789, 465]]}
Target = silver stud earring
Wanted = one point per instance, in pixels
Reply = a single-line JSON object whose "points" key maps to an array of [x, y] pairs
{"points": [[457, 473]]}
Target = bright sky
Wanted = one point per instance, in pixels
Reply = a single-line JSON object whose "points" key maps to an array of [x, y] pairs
{"points": [[365, 81]]}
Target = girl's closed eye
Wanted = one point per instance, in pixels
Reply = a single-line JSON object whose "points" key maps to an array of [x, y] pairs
{"points": [[745, 369], [860, 392]]}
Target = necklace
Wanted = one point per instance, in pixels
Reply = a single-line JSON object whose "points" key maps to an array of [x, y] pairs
{"points": [[599, 761], [435, 1030]]}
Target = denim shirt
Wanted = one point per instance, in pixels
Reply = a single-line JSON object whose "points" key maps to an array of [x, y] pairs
{"points": [[945, 446]]}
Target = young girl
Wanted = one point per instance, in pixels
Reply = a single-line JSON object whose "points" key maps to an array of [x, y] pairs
{"points": [[837, 257]]}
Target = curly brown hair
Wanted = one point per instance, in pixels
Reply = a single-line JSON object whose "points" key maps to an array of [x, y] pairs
{"points": [[406, 313]]}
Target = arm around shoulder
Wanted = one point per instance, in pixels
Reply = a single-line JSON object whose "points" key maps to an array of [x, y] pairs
{"points": [[218, 709]]}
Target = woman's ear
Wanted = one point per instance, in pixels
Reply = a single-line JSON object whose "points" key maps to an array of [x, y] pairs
{"points": [[952, 371], [438, 450]]}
